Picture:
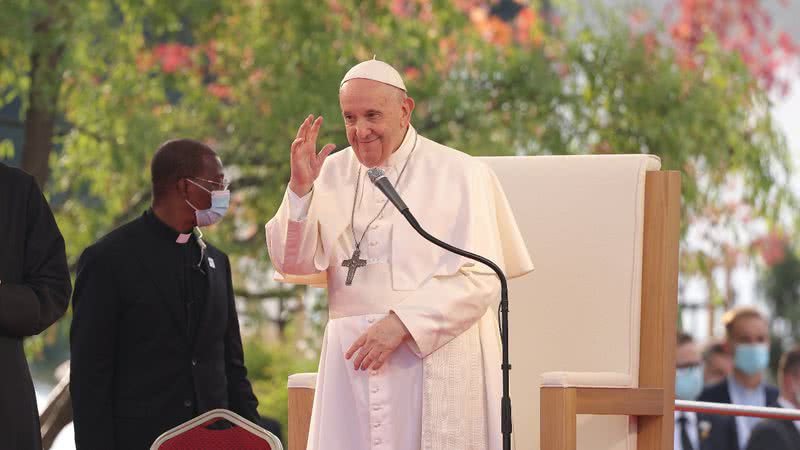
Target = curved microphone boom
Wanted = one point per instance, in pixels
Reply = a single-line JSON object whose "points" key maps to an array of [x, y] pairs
{"points": [[378, 178]]}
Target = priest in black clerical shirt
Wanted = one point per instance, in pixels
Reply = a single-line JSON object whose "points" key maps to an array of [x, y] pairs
{"points": [[155, 335], [34, 293]]}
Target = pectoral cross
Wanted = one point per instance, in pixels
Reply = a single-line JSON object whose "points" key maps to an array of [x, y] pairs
{"points": [[352, 265]]}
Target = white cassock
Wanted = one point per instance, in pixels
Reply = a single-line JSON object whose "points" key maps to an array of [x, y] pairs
{"points": [[441, 390]]}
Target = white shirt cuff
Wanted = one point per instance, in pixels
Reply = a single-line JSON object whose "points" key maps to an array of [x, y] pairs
{"points": [[298, 206]]}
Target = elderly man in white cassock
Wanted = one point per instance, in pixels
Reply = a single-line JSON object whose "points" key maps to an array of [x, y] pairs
{"points": [[411, 354]]}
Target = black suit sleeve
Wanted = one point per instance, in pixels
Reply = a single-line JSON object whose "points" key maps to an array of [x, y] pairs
{"points": [[765, 436], [92, 344], [30, 307], [240, 393]]}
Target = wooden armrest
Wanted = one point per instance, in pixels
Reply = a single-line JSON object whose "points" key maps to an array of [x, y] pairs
{"points": [[620, 401], [607, 401], [561, 405]]}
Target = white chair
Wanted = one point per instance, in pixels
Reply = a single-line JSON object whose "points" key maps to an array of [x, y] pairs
{"points": [[595, 323]]}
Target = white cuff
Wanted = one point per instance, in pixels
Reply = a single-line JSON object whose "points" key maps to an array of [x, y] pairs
{"points": [[298, 206]]}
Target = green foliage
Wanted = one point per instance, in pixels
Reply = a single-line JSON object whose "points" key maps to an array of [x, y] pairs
{"points": [[711, 123], [6, 149], [243, 74], [269, 366], [780, 284]]}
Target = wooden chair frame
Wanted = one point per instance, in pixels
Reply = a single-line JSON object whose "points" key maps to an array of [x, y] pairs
{"points": [[653, 401], [301, 401]]}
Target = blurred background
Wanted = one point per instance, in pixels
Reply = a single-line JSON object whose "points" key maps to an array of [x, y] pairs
{"points": [[90, 88]]}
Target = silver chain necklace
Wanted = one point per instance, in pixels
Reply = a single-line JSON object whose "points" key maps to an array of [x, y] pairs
{"points": [[355, 262]]}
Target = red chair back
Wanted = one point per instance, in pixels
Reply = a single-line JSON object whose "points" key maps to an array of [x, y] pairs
{"points": [[218, 429]]}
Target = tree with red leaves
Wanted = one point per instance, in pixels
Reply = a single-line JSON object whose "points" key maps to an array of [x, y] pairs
{"points": [[489, 77], [740, 26]]}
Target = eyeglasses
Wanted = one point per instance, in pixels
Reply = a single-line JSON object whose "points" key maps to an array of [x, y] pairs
{"points": [[225, 184]]}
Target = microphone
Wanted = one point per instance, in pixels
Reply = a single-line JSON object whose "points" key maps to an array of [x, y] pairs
{"points": [[379, 179]]}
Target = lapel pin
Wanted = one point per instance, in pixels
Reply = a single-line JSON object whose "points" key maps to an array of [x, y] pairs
{"points": [[705, 429], [211, 263]]}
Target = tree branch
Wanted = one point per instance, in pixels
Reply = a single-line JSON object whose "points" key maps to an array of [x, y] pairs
{"points": [[63, 131]]}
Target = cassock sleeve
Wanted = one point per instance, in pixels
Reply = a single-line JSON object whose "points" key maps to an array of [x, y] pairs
{"points": [[298, 206], [446, 306], [93, 339], [241, 399], [29, 307], [292, 244]]}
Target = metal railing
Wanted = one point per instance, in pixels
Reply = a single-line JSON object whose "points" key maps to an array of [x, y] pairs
{"points": [[737, 410]]}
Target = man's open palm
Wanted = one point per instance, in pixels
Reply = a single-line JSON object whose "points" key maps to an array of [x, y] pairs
{"points": [[306, 163]]}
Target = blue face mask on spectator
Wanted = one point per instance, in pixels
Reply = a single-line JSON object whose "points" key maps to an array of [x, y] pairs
{"points": [[751, 358], [688, 382]]}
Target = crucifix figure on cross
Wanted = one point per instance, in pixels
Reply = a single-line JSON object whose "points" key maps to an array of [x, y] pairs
{"points": [[353, 264]]}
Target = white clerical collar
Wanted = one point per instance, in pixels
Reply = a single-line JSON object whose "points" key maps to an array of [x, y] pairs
{"points": [[184, 237], [398, 158]]}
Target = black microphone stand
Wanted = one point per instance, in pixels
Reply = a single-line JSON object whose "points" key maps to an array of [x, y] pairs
{"points": [[505, 404]]}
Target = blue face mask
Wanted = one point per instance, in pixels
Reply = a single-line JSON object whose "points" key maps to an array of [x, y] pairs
{"points": [[688, 382], [220, 200], [751, 358]]}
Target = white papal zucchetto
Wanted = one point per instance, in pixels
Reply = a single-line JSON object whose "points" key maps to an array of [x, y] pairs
{"points": [[376, 70]]}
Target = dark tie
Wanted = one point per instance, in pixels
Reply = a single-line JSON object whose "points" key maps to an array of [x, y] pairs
{"points": [[685, 442]]}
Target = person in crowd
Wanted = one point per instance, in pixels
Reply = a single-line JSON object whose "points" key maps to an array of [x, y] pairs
{"points": [[747, 342], [776, 434], [717, 363], [688, 385]]}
